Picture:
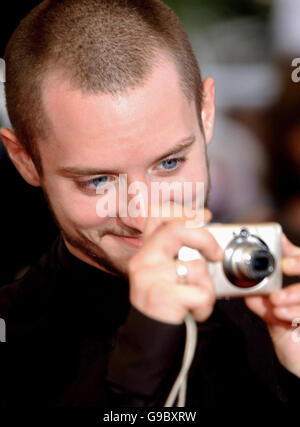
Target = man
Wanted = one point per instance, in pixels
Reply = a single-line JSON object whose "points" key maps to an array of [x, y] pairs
{"points": [[96, 89]]}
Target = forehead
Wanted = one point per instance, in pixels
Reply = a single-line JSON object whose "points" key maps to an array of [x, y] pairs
{"points": [[141, 120]]}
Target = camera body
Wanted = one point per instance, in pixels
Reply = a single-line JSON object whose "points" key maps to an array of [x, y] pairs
{"points": [[252, 258]]}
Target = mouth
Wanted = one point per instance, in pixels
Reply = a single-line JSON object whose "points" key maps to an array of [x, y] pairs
{"points": [[135, 242]]}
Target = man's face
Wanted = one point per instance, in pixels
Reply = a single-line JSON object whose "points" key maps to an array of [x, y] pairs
{"points": [[97, 137]]}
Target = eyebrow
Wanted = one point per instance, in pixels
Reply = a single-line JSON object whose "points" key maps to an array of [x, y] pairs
{"points": [[71, 171]]}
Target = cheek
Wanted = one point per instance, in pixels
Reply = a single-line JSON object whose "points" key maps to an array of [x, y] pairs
{"points": [[72, 206], [197, 174], [81, 210], [196, 171]]}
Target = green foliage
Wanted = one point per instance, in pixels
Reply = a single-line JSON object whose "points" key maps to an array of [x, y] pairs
{"points": [[206, 12]]}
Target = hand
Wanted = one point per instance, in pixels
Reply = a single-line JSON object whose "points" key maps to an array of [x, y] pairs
{"points": [[154, 287], [280, 308]]}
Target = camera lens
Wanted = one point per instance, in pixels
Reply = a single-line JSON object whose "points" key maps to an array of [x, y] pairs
{"points": [[247, 261], [255, 264], [262, 262]]}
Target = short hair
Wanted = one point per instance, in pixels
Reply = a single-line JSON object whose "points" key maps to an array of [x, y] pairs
{"points": [[99, 46]]}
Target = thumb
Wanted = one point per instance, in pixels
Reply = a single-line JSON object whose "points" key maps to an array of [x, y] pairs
{"points": [[262, 307]]}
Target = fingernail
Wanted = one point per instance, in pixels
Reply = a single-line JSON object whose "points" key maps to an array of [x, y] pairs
{"points": [[289, 262], [280, 295]]}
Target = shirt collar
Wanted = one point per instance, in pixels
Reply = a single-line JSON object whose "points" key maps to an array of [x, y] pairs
{"points": [[72, 265]]}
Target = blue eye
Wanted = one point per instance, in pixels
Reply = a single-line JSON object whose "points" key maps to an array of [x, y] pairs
{"points": [[170, 163], [96, 182]]}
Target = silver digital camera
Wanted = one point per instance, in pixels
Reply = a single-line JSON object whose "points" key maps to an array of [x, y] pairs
{"points": [[252, 258]]}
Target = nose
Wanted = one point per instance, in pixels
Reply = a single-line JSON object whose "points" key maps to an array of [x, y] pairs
{"points": [[136, 225], [133, 204]]}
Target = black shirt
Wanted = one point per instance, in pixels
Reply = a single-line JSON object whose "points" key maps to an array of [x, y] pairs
{"points": [[74, 340]]}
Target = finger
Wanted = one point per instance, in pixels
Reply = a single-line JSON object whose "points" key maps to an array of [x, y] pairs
{"points": [[289, 249], [291, 265], [290, 295], [175, 301], [197, 271], [262, 306], [165, 243], [287, 313], [165, 213], [197, 300], [163, 279], [198, 275]]}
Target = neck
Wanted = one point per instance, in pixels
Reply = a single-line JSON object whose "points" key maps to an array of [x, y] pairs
{"points": [[78, 254]]}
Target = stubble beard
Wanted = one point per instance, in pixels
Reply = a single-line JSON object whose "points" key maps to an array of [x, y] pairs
{"points": [[87, 247]]}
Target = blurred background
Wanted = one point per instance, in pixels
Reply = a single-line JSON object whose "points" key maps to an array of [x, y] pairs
{"points": [[247, 46]]}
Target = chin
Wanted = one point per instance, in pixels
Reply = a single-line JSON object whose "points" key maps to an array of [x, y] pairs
{"points": [[114, 245]]}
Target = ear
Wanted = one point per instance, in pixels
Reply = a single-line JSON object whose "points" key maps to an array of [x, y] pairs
{"points": [[208, 109], [20, 157]]}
